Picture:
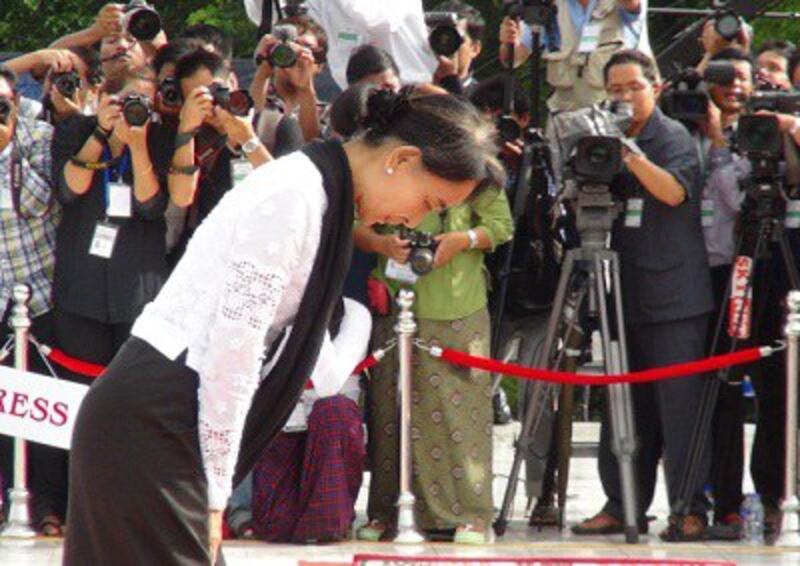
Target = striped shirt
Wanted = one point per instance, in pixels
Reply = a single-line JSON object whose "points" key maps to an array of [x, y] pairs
{"points": [[29, 215]]}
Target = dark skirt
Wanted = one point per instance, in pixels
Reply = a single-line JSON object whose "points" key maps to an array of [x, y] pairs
{"points": [[306, 483], [138, 491]]}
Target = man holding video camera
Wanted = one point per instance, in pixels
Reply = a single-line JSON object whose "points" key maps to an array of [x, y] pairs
{"points": [[666, 291], [580, 36]]}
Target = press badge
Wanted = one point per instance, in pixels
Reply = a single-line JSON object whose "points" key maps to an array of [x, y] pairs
{"points": [[792, 214], [590, 38], [707, 212], [119, 200], [400, 272], [633, 213], [104, 239]]}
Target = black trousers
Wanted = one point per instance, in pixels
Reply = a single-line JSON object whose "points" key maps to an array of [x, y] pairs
{"points": [[46, 466], [665, 414], [138, 491]]}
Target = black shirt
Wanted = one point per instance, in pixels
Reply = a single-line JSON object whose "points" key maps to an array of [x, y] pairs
{"points": [[664, 265], [110, 290]]}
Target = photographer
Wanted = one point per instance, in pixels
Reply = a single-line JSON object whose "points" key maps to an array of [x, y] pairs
{"points": [[208, 139], [28, 219], [284, 90], [579, 41], [454, 72], [453, 449], [667, 297], [372, 65], [772, 64]]}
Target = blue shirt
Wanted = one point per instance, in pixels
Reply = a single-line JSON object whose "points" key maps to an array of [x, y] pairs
{"points": [[551, 38]]}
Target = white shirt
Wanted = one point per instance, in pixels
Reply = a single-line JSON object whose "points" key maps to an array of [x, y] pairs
{"points": [[238, 285], [333, 374], [398, 26]]}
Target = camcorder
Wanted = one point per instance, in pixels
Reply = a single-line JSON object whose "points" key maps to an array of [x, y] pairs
{"points": [[687, 99], [759, 137], [170, 93], [67, 83], [5, 109], [237, 102], [445, 37], [137, 109], [423, 250], [597, 160], [141, 20], [532, 12]]}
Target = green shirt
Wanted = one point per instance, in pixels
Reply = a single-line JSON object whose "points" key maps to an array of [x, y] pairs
{"points": [[458, 288]]}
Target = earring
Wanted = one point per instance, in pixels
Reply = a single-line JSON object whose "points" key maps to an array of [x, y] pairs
{"points": [[389, 171]]}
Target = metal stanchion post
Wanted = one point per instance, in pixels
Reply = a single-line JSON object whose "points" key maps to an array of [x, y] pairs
{"points": [[790, 525], [19, 518], [406, 328]]}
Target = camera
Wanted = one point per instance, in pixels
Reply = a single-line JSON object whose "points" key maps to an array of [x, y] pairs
{"points": [[237, 102], [423, 250], [141, 20], [295, 8], [281, 54], [687, 100], [533, 12], [170, 92], [137, 109], [67, 83], [5, 109], [759, 137], [445, 37], [597, 160], [727, 22]]}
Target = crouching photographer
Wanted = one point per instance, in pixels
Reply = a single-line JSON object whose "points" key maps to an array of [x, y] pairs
{"points": [[442, 260], [666, 294]]}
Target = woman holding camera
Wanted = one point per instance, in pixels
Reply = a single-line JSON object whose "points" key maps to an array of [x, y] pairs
{"points": [[452, 407]]}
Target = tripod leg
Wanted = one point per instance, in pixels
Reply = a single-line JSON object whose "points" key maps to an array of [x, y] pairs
{"points": [[564, 448], [788, 260], [540, 395], [623, 428]]}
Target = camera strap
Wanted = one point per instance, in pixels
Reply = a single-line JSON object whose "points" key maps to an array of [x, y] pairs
{"points": [[15, 179]]}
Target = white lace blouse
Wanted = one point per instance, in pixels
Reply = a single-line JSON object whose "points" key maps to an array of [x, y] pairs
{"points": [[238, 285]]}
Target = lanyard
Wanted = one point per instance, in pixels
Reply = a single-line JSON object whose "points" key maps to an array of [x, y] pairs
{"points": [[116, 171]]}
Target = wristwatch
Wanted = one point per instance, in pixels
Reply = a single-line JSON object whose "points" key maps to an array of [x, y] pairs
{"points": [[473, 239], [251, 145]]}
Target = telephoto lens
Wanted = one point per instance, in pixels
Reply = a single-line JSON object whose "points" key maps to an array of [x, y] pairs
{"points": [[137, 109], [728, 25], [240, 103], [67, 83], [5, 109], [141, 20], [445, 37]]}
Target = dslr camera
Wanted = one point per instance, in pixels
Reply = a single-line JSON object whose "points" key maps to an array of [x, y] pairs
{"points": [[532, 12], [141, 20], [67, 83], [170, 93], [687, 99], [727, 23], [282, 54], [137, 109], [237, 102], [423, 250], [445, 37], [5, 110]]}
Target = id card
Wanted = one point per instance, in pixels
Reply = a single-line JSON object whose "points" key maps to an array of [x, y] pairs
{"points": [[241, 169], [119, 200], [590, 38], [104, 239], [633, 213], [793, 214], [707, 212], [400, 272]]}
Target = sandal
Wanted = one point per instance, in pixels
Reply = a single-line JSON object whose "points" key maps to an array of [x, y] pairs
{"points": [[470, 534], [372, 531], [51, 526]]}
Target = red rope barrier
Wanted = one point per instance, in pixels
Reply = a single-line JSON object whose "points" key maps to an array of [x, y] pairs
{"points": [[73, 364], [656, 374], [368, 363]]}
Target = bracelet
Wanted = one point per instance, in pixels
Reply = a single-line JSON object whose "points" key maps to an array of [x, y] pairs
{"points": [[473, 239], [182, 138], [183, 170], [90, 165]]}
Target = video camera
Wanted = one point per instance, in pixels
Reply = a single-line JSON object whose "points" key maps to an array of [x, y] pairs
{"points": [[445, 37], [141, 20], [687, 99], [759, 137], [597, 160], [532, 12]]}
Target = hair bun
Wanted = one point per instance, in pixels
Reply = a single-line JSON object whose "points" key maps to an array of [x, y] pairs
{"points": [[385, 107]]}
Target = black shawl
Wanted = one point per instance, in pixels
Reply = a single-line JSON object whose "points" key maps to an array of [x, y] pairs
{"points": [[279, 392]]}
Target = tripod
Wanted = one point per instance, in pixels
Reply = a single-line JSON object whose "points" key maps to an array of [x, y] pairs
{"points": [[589, 279], [768, 217]]}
